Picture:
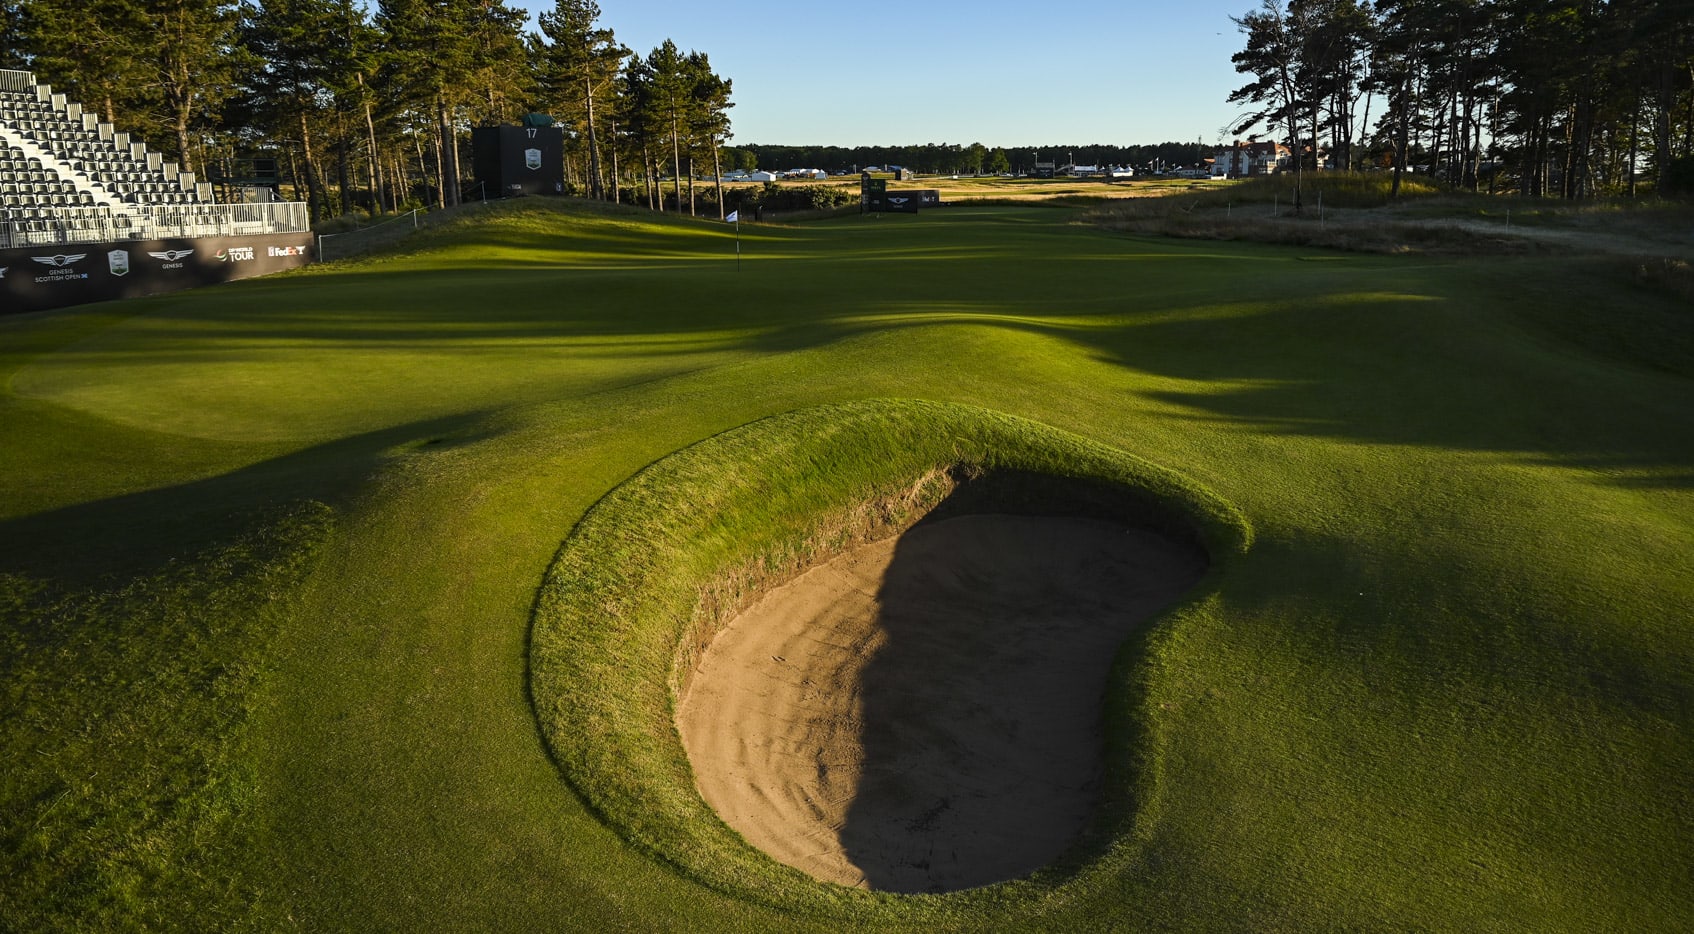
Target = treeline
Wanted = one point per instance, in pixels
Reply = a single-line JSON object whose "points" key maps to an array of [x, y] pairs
{"points": [[1549, 97], [371, 106], [951, 158]]}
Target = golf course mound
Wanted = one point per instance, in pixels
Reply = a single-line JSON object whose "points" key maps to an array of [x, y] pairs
{"points": [[928, 614]]}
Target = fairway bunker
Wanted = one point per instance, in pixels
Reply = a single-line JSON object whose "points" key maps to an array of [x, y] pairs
{"points": [[923, 713], [975, 710]]}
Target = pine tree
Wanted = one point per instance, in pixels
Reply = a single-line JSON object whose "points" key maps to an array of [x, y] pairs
{"points": [[671, 90], [708, 119], [294, 45], [1272, 57], [192, 61], [92, 51], [577, 71], [12, 55]]}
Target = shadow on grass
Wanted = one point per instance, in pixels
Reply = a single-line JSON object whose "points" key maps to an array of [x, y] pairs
{"points": [[140, 533], [1552, 362]]}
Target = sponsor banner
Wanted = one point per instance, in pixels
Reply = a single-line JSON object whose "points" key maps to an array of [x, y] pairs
{"points": [[896, 201], [40, 278]]}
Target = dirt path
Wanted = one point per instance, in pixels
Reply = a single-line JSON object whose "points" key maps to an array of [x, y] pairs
{"points": [[924, 714]]}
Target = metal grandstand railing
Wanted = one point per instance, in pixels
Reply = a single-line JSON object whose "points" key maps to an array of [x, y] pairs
{"points": [[16, 80], [153, 222]]}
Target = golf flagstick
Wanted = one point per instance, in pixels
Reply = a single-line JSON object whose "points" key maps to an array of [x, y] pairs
{"points": [[735, 218]]}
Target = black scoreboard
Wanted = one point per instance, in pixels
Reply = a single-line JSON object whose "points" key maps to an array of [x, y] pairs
{"points": [[512, 161]]}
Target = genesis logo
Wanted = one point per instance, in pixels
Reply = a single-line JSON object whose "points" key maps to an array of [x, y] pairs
{"points": [[171, 256], [898, 200], [60, 260]]}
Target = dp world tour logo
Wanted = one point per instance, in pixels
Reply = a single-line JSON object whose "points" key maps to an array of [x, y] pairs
{"points": [[118, 262], [59, 261], [532, 158]]}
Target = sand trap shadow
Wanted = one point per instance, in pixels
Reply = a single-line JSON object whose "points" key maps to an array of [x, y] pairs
{"points": [[924, 714]]}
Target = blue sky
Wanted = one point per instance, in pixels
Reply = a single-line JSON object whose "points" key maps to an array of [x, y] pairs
{"points": [[993, 72]]}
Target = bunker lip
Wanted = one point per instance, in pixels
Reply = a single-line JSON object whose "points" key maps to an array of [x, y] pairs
{"points": [[924, 713], [653, 572]]}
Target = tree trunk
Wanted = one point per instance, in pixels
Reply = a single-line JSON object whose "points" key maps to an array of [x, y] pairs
{"points": [[1292, 123], [647, 169], [342, 170], [1634, 140], [1402, 134], [294, 175], [596, 190], [424, 168], [717, 176], [374, 160], [449, 143], [617, 194], [676, 162], [1662, 116], [185, 159], [311, 169], [1363, 125]]}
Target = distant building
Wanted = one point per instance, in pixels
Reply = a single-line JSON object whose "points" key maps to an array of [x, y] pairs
{"points": [[1245, 160], [761, 176]]}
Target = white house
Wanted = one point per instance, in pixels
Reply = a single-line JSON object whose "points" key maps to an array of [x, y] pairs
{"points": [[1243, 160], [761, 176]]}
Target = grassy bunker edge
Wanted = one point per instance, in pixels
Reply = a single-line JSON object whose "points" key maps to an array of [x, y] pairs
{"points": [[652, 572]]}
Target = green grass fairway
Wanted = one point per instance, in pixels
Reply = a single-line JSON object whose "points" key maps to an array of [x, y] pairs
{"points": [[269, 556]]}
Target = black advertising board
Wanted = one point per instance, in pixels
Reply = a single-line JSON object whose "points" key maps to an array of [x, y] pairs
{"points": [[871, 191], [64, 274], [518, 160], [928, 197], [902, 201]]}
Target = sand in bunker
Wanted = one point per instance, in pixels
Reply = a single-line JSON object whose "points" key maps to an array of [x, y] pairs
{"points": [[924, 714]]}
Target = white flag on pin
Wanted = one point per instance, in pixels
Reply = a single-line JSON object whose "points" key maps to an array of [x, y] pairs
{"points": [[734, 217]]}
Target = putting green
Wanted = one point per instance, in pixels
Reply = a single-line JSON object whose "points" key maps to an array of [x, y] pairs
{"points": [[1450, 688]]}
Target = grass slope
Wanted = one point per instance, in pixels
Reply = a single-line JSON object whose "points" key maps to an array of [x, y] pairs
{"points": [[1450, 688]]}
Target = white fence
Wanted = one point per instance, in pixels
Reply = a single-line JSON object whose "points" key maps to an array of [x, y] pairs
{"points": [[153, 222]]}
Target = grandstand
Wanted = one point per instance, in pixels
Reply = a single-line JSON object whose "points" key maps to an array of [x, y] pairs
{"points": [[67, 179]]}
